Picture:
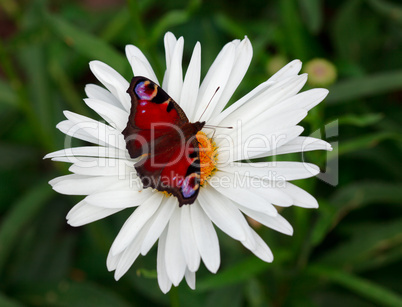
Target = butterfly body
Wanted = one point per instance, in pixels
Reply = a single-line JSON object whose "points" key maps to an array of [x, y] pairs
{"points": [[160, 133]]}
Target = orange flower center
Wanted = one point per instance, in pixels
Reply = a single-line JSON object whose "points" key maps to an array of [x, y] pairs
{"points": [[208, 156]]}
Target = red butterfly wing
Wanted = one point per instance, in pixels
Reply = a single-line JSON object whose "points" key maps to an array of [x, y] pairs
{"points": [[153, 115], [158, 129]]}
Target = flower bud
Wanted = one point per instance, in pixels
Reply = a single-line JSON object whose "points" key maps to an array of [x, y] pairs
{"points": [[321, 72]]}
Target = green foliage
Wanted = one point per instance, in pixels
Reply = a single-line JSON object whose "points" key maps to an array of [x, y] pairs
{"points": [[348, 252]]}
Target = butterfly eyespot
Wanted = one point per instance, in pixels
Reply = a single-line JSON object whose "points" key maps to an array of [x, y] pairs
{"points": [[190, 185], [146, 90]]}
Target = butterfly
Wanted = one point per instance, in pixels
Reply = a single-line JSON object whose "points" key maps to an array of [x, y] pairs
{"points": [[160, 133]]}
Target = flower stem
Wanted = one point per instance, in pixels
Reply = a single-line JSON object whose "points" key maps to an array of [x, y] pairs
{"points": [[174, 297]]}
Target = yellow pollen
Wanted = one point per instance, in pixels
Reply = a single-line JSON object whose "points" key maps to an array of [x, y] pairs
{"points": [[167, 194], [208, 156]]}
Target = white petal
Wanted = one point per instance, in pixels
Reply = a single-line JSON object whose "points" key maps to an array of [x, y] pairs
{"points": [[119, 199], [190, 278], [274, 171], [272, 96], [284, 114], [93, 161], [261, 249], [163, 280], [140, 64], [174, 258], [191, 84], [135, 223], [300, 144], [170, 43], [130, 254], [244, 53], [81, 185], [273, 120], [222, 213], [263, 192], [127, 258], [112, 261], [300, 197], [206, 238], [121, 168], [291, 69], [92, 166], [277, 222], [245, 99], [76, 131], [97, 92], [56, 180], [305, 100], [174, 72], [115, 116], [257, 146], [103, 134], [246, 133], [90, 151], [83, 213], [187, 237], [113, 81], [101, 163], [240, 191], [217, 77], [161, 219]]}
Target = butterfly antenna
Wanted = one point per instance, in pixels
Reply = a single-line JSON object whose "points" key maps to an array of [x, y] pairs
{"points": [[214, 127], [209, 102]]}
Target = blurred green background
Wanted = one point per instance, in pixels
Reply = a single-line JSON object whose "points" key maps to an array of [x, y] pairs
{"points": [[346, 253]]}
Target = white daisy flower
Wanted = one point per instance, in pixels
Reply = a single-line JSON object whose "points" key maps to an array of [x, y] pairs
{"points": [[264, 123]]}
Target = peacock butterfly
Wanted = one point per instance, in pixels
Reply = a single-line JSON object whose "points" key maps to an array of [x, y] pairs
{"points": [[160, 133]]}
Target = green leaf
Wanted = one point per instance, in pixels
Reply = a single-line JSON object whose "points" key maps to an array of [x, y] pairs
{"points": [[255, 294], [7, 95], [352, 197], [88, 294], [230, 26], [116, 25], [12, 155], [19, 216], [344, 91], [229, 296], [367, 289], [295, 37], [87, 44], [364, 142], [312, 11], [33, 107], [66, 87], [171, 19], [146, 286], [360, 120], [390, 10], [34, 59], [152, 274], [67, 293], [236, 274], [365, 193], [368, 246], [8, 302], [346, 28]]}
